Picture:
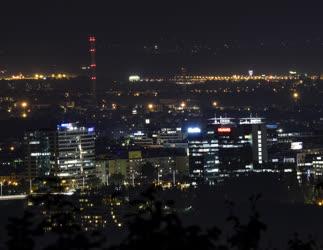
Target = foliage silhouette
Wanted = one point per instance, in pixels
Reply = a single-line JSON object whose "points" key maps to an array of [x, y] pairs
{"points": [[153, 224], [247, 236], [297, 244], [156, 225], [21, 232]]}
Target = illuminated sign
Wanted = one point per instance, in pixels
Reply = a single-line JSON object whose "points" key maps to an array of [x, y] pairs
{"points": [[66, 125], [90, 130], [134, 78], [193, 130], [139, 133], [296, 146], [224, 130]]}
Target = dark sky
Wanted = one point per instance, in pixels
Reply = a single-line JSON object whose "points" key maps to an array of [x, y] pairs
{"points": [[204, 36]]}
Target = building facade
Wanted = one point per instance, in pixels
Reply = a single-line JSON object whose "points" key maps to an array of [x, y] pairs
{"points": [[76, 153], [40, 153]]}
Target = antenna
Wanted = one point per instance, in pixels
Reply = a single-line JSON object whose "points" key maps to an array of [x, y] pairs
{"points": [[92, 41]]}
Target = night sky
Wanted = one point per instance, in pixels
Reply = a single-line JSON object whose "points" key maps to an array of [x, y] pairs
{"points": [[159, 37]]}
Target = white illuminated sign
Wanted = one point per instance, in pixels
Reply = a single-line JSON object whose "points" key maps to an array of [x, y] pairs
{"points": [[194, 130], [134, 78], [296, 145]]}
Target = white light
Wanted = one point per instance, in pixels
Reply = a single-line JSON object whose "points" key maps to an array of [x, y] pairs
{"points": [[296, 145], [134, 78], [194, 130]]}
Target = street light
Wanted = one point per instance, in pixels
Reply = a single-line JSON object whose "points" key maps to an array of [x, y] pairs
{"points": [[183, 104], [150, 106], [295, 95], [24, 104]]}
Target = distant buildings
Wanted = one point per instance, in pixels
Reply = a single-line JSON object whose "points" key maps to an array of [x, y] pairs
{"points": [[68, 153], [227, 146], [128, 168], [222, 148]]}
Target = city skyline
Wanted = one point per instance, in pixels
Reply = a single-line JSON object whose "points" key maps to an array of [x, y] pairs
{"points": [[161, 125]]}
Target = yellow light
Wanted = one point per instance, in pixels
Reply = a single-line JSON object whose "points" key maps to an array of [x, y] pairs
{"points": [[12, 148], [183, 104], [24, 104], [215, 104], [150, 106], [295, 95], [23, 115]]}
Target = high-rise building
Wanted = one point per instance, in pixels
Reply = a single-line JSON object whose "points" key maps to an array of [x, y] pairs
{"points": [[76, 153], [234, 150], [226, 147], [203, 154], [40, 153], [242, 142], [255, 129]]}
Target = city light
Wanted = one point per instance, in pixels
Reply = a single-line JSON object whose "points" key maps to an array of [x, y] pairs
{"points": [[224, 130], [162, 128], [295, 95], [134, 78], [194, 130], [24, 104]]}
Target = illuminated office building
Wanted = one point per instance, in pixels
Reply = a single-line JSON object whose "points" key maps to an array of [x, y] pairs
{"points": [[169, 135], [203, 155], [242, 142], [255, 130], [142, 139], [233, 153], [40, 153], [226, 147], [318, 167], [76, 153]]}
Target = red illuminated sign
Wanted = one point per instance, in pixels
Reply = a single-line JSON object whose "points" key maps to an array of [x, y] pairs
{"points": [[224, 130]]}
